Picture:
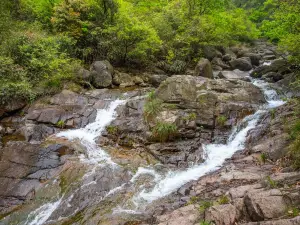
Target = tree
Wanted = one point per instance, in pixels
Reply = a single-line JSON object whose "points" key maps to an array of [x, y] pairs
{"points": [[130, 40]]}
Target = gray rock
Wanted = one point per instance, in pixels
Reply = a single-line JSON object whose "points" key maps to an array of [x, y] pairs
{"points": [[156, 79], [227, 58], [12, 106], [291, 221], [101, 74], [204, 69], [280, 66], [243, 64], [84, 75], [123, 79], [265, 205], [188, 215], [218, 62], [221, 214], [255, 58], [211, 52], [233, 75]]}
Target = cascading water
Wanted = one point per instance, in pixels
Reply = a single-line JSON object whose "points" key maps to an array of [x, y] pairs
{"points": [[163, 183], [216, 154], [88, 134], [94, 155]]}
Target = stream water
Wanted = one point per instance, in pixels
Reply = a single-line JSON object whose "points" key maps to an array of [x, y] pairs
{"points": [[162, 183]]}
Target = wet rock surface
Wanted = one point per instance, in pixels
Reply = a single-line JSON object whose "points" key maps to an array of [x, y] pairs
{"points": [[24, 167]]}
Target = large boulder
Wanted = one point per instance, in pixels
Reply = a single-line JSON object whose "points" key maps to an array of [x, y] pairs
{"points": [[290, 221], [84, 75], [219, 62], [23, 168], [204, 69], [123, 79], [209, 99], [255, 58], [222, 214], [211, 52], [264, 205], [12, 107], [188, 215], [68, 108], [278, 66], [101, 74], [243, 64], [233, 75], [156, 79]]}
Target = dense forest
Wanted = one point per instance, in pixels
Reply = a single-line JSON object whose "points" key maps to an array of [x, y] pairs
{"points": [[43, 42]]}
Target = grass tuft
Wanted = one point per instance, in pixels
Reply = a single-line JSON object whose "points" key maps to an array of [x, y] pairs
{"points": [[164, 131]]}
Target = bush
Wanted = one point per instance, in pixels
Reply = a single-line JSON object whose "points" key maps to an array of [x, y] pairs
{"points": [[223, 200], [221, 120], [152, 107], [60, 124], [112, 130], [205, 205], [164, 131], [13, 82]]}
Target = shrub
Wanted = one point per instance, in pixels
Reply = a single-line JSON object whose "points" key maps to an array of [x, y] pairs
{"points": [[221, 120], [164, 131], [13, 82], [112, 130], [223, 200], [205, 223], [263, 157], [152, 106], [271, 183], [60, 124], [272, 112], [205, 205], [190, 117], [293, 211]]}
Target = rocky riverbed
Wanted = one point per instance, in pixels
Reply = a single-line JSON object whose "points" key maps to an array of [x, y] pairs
{"points": [[97, 157]]}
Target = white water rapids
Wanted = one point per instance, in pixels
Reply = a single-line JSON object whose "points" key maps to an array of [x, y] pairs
{"points": [[165, 184]]}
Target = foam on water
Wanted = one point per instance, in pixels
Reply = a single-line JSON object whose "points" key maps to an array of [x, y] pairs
{"points": [[88, 135], [142, 170]]}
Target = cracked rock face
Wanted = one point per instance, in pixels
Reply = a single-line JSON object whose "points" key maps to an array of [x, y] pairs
{"points": [[23, 168]]}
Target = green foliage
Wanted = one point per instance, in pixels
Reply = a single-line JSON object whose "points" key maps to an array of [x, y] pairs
{"points": [[130, 40], [263, 158], [164, 131], [152, 107], [293, 211], [193, 200], [190, 117], [60, 124], [205, 223], [221, 120], [271, 183], [223, 200], [6, 20], [205, 205], [112, 130], [272, 112], [283, 26], [13, 82]]}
